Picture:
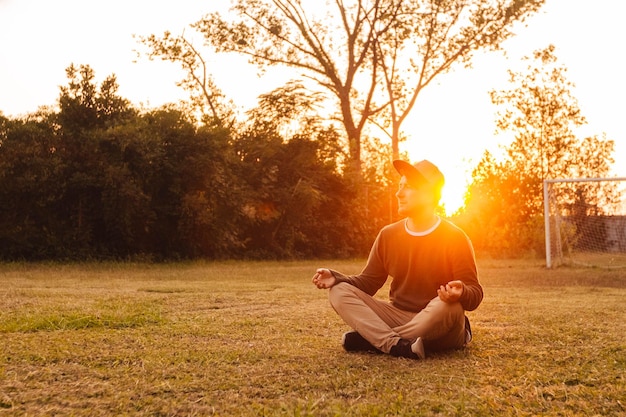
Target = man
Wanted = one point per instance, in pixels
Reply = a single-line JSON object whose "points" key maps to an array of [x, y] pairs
{"points": [[434, 278]]}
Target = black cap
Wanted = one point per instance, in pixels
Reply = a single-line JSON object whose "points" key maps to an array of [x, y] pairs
{"points": [[421, 172]]}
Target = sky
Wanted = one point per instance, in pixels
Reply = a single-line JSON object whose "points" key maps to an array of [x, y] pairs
{"points": [[452, 124]]}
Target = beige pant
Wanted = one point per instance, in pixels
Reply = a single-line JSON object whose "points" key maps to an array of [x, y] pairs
{"points": [[440, 325]]}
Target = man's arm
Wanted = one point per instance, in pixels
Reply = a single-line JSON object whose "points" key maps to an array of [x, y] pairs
{"points": [[465, 287], [370, 280]]}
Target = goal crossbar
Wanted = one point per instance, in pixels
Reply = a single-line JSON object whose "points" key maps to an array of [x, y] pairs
{"points": [[546, 205]]}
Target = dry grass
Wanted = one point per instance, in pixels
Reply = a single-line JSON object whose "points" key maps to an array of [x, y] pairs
{"points": [[258, 339], [615, 260]]}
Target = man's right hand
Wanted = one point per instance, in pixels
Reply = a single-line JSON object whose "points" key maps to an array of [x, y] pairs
{"points": [[323, 278]]}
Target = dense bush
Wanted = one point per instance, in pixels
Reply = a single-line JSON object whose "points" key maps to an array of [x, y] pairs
{"points": [[98, 179]]}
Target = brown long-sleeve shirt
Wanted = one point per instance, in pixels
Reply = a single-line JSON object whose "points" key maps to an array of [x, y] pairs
{"points": [[418, 265]]}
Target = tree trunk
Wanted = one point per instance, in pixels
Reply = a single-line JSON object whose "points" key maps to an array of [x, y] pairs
{"points": [[395, 149], [353, 132], [354, 140]]}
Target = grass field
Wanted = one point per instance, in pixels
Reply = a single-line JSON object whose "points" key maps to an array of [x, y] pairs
{"points": [[257, 339]]}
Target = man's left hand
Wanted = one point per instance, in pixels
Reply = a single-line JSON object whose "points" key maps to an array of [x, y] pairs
{"points": [[451, 292]]}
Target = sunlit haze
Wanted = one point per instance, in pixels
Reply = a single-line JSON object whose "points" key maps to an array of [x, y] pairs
{"points": [[452, 123]]}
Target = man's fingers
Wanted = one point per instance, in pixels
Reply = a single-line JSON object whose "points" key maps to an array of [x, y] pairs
{"points": [[319, 279], [455, 284], [319, 273]]}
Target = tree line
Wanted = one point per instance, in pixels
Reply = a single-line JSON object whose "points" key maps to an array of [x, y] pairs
{"points": [[96, 177], [99, 179]]}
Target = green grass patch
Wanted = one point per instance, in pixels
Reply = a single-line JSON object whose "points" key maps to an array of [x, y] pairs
{"points": [[110, 313], [258, 339]]}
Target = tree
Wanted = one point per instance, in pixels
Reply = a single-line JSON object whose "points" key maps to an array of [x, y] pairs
{"points": [[505, 198], [427, 39], [193, 192], [542, 114], [87, 110], [96, 179], [84, 106], [206, 98], [31, 224], [288, 162], [370, 55]]}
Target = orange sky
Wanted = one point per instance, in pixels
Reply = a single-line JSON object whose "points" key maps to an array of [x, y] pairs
{"points": [[452, 123]]}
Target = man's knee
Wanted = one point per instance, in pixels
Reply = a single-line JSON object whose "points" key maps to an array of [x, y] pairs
{"points": [[338, 292], [449, 312], [455, 309]]}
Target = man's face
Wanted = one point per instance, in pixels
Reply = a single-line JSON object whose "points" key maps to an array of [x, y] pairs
{"points": [[414, 199]]}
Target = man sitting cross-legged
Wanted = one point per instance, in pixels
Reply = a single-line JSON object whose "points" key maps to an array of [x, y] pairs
{"points": [[434, 277]]}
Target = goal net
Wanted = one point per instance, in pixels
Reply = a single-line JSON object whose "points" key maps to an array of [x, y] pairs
{"points": [[585, 222]]}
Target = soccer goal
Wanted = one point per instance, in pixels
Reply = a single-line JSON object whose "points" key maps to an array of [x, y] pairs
{"points": [[585, 222]]}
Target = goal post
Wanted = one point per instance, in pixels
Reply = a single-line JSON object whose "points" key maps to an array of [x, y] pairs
{"points": [[585, 222]]}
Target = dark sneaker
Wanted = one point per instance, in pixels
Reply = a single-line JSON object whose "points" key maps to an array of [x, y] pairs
{"points": [[354, 342], [407, 349]]}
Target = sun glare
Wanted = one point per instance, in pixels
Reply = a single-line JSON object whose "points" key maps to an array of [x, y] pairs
{"points": [[456, 181], [452, 162], [452, 196], [457, 176]]}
